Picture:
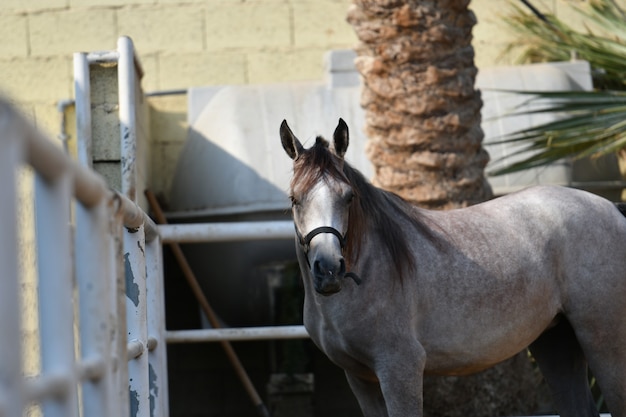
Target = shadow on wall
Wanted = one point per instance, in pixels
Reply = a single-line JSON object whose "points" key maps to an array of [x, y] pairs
{"points": [[223, 188], [223, 183]]}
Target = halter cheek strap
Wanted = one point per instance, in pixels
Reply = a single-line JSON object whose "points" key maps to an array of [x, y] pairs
{"points": [[305, 241]]}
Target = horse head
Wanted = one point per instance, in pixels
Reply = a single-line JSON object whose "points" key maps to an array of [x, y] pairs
{"points": [[321, 197]]}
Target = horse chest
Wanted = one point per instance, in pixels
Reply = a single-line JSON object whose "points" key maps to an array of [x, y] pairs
{"points": [[347, 352], [345, 331]]}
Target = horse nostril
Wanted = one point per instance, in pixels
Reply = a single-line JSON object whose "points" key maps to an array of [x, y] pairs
{"points": [[317, 268], [321, 268]]}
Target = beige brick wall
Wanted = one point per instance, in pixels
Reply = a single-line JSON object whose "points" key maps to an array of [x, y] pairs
{"points": [[183, 43], [188, 42], [191, 42]]}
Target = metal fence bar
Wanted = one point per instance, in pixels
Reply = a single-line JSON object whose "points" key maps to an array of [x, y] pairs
{"points": [[82, 92], [47, 387], [136, 321], [94, 247], [157, 349], [127, 116], [11, 396], [56, 315], [226, 232], [101, 215], [237, 334], [119, 344], [141, 233]]}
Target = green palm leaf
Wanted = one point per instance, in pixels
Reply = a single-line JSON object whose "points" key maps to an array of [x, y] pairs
{"points": [[592, 123]]}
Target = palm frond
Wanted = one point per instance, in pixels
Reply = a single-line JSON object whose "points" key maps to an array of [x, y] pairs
{"points": [[558, 41], [591, 124], [594, 125]]}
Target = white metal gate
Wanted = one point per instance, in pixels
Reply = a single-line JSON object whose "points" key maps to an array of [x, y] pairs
{"points": [[99, 269], [92, 244]]}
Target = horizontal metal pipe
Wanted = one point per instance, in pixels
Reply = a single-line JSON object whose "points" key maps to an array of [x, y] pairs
{"points": [[103, 57], [153, 343], [226, 232], [236, 334], [92, 369], [135, 349], [47, 386], [57, 385], [161, 93], [134, 217]]}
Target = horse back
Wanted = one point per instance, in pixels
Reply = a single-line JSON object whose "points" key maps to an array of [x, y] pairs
{"points": [[621, 207]]}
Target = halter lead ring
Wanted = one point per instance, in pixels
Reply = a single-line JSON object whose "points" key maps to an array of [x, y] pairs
{"points": [[305, 242]]}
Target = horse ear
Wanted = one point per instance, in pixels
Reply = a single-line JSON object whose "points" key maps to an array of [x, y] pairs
{"points": [[290, 142], [341, 139]]}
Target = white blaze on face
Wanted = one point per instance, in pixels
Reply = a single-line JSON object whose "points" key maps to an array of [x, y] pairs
{"points": [[324, 206]]}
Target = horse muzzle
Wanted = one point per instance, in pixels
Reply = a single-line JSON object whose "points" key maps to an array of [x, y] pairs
{"points": [[327, 277]]}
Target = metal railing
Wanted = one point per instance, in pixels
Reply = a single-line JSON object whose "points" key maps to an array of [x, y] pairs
{"points": [[230, 232], [92, 244]]}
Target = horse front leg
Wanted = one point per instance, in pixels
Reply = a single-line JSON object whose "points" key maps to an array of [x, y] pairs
{"points": [[369, 396], [401, 376]]}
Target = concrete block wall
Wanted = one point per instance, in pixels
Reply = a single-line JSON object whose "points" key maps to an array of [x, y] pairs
{"points": [[193, 42], [181, 43], [185, 43]]}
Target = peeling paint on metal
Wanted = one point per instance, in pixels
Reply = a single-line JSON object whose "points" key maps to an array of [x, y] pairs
{"points": [[154, 388], [132, 289], [134, 402]]}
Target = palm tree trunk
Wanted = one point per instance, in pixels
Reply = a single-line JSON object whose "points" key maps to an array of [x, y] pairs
{"points": [[423, 124], [422, 110]]}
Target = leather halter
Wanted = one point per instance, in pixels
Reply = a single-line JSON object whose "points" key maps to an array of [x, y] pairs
{"points": [[305, 242]]}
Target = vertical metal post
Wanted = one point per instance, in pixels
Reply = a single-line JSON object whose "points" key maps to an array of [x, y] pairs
{"points": [[11, 396], [118, 306], [157, 348], [82, 94], [94, 269], [136, 322], [127, 113], [56, 313]]}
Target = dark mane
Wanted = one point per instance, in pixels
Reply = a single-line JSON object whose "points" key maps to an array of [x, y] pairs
{"points": [[384, 213], [373, 209]]}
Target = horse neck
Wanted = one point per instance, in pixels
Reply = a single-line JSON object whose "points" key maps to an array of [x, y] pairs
{"points": [[384, 226]]}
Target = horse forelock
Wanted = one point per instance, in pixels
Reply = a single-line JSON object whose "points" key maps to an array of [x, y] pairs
{"points": [[313, 164]]}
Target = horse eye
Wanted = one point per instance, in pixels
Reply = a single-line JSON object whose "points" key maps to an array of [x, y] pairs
{"points": [[349, 197], [294, 201]]}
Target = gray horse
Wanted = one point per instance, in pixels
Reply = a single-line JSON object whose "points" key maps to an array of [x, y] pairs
{"points": [[393, 291]]}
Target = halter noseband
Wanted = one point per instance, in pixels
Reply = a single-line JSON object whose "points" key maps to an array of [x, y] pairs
{"points": [[305, 242]]}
